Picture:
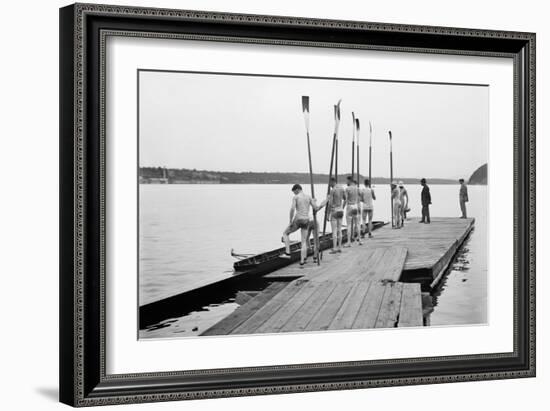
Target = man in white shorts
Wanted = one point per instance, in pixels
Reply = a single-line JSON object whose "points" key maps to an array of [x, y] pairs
{"points": [[396, 205], [404, 198], [299, 220], [367, 196], [351, 204]]}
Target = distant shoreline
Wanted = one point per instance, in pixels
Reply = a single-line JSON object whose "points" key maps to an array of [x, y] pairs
{"points": [[160, 175]]}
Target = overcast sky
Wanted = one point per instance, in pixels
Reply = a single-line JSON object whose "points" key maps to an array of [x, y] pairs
{"points": [[248, 123]]}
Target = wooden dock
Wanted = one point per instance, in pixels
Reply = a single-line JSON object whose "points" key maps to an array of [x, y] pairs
{"points": [[430, 248], [374, 285]]}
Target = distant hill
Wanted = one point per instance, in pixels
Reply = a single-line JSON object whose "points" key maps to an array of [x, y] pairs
{"points": [[154, 175], [479, 176]]}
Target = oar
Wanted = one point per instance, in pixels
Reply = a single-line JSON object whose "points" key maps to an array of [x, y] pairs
{"points": [[353, 148], [305, 109], [391, 179], [334, 137], [370, 153], [357, 129], [336, 154]]}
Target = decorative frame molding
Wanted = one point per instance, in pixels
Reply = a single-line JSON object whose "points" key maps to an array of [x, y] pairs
{"points": [[83, 33]]}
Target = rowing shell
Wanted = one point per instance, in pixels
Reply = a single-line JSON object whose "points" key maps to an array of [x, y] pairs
{"points": [[271, 260]]}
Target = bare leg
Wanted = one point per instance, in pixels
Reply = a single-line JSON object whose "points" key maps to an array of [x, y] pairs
{"points": [[305, 236], [339, 231], [287, 241], [370, 213], [333, 226], [349, 222], [357, 228]]}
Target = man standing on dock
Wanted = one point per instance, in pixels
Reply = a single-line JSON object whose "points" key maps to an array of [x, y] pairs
{"points": [[367, 197], [335, 213], [463, 197], [426, 200], [352, 210], [404, 197], [299, 220], [396, 205]]}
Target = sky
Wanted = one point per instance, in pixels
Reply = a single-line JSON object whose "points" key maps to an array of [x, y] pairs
{"points": [[225, 122]]}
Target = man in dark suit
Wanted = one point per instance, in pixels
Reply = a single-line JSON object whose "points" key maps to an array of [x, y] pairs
{"points": [[426, 199]]}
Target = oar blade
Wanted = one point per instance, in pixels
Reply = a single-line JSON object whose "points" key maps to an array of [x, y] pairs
{"points": [[305, 109]]}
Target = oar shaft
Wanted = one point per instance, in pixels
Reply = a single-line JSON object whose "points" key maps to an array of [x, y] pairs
{"points": [[328, 185], [336, 161], [370, 153], [370, 164], [353, 159], [391, 179], [315, 229], [358, 175]]}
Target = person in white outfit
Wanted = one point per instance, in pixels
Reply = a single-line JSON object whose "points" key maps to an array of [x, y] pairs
{"points": [[404, 198], [367, 197], [396, 205]]}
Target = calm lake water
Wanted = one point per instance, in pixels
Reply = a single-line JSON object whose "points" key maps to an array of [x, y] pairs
{"points": [[188, 231]]}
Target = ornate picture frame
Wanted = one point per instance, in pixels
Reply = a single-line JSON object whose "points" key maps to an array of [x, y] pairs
{"points": [[84, 29]]}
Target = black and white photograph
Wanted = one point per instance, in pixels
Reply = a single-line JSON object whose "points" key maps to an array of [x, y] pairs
{"points": [[283, 204], [280, 199]]}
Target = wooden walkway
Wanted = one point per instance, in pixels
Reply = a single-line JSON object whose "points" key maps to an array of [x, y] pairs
{"points": [[430, 247], [359, 291], [356, 289]]}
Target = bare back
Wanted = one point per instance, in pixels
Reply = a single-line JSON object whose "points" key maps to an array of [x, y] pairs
{"points": [[336, 197], [301, 203], [352, 194]]}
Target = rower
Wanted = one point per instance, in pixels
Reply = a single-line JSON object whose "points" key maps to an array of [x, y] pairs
{"points": [[351, 204], [367, 197], [299, 220], [396, 205], [335, 214], [404, 198]]}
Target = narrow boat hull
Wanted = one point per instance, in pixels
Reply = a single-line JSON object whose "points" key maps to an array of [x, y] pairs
{"points": [[271, 260]]}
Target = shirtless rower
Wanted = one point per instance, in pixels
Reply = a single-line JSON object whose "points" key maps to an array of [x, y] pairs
{"points": [[299, 220], [367, 196], [335, 213], [404, 198], [351, 204], [396, 205]]}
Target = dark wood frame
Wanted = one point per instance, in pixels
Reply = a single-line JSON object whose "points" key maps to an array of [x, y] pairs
{"points": [[83, 29]]}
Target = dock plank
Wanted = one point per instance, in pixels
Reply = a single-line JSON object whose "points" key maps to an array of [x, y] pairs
{"points": [[410, 312], [389, 308], [266, 311], [346, 314], [368, 312], [325, 315], [245, 311], [279, 318], [302, 317]]}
